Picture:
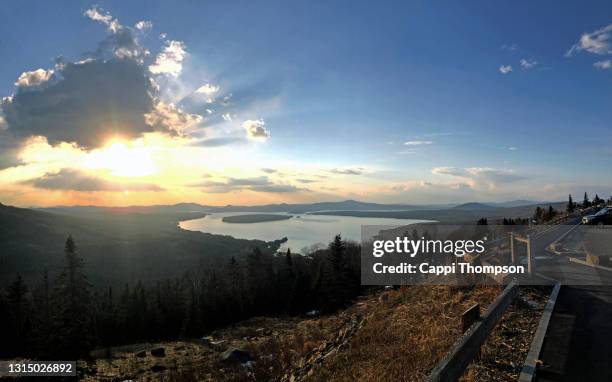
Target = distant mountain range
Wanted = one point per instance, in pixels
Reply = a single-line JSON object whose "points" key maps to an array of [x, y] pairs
{"points": [[134, 242], [346, 205], [510, 204]]}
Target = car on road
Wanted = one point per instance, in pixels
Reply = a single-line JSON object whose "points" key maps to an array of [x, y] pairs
{"points": [[603, 216]]}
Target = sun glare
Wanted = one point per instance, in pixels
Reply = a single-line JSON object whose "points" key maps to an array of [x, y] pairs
{"points": [[123, 159]]}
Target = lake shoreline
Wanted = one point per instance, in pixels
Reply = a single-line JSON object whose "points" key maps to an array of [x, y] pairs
{"points": [[303, 233]]}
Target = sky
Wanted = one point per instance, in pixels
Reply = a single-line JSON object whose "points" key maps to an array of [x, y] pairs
{"points": [[242, 102]]}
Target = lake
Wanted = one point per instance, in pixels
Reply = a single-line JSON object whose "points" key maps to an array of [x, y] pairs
{"points": [[302, 231]]}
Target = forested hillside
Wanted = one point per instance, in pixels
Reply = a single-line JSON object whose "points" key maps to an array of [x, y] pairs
{"points": [[117, 248], [66, 316]]}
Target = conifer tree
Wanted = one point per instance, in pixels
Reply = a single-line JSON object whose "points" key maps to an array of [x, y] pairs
{"points": [[585, 202], [596, 200], [18, 311], [570, 205], [72, 335]]}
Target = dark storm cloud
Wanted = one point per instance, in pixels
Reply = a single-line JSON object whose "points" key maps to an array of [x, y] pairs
{"points": [[109, 94], [92, 101], [9, 150], [75, 180]]}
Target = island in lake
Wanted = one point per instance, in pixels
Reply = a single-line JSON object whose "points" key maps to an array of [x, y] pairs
{"points": [[255, 218]]}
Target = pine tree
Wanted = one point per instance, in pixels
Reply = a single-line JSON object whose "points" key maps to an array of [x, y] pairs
{"points": [[586, 203], [335, 284], [41, 316], [19, 317], [72, 335], [336, 254], [539, 214], [596, 200], [5, 351], [192, 322], [570, 205], [236, 286], [254, 270], [551, 213], [288, 259]]}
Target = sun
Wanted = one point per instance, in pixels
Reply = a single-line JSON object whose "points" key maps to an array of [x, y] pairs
{"points": [[128, 159]]}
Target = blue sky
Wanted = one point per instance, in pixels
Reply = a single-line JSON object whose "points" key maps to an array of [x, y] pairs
{"points": [[411, 95]]}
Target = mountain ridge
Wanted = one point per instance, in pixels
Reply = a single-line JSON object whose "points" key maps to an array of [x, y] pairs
{"points": [[344, 205]]}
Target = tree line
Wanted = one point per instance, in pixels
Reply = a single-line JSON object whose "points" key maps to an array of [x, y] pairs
{"points": [[65, 317], [586, 202]]}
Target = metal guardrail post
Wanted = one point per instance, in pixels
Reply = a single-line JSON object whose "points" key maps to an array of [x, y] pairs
{"points": [[530, 257]]}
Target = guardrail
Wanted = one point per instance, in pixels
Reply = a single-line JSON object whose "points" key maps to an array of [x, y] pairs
{"points": [[597, 266], [456, 360], [529, 370]]}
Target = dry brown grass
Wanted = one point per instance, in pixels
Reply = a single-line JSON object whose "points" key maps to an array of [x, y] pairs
{"points": [[405, 336], [401, 339]]}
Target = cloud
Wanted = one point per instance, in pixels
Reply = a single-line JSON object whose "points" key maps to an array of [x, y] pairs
{"points": [[453, 171], [478, 177], [347, 171], [75, 180], [306, 180], [527, 63], [598, 42], [603, 65], [276, 188], [505, 69], [244, 97], [426, 189], [34, 78], [269, 170], [170, 117], [512, 148], [92, 101], [208, 89], [143, 25], [256, 129], [121, 42], [9, 150], [510, 47], [255, 184], [218, 141], [170, 59], [418, 143], [108, 94], [95, 14], [495, 175]]}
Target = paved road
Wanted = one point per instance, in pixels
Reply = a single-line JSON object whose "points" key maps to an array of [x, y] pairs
{"points": [[578, 342]]}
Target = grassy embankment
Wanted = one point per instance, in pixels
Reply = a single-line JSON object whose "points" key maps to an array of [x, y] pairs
{"points": [[407, 331]]}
